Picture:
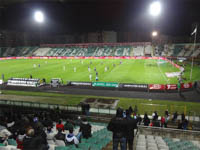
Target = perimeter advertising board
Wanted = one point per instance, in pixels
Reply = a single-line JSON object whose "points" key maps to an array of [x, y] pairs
{"points": [[156, 87], [135, 86], [171, 86], [186, 85], [80, 83], [105, 84]]}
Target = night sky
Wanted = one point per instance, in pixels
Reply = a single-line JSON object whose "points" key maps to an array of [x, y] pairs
{"points": [[118, 15]]}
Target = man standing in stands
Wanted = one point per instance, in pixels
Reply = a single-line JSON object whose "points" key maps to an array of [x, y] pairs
{"points": [[85, 129], [87, 108], [175, 116], [146, 120], [118, 125], [131, 125]]}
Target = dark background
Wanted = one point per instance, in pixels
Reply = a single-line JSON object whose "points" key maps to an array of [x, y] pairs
{"points": [[68, 16]]}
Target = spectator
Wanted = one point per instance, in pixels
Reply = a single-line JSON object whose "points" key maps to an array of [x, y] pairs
{"points": [[135, 109], [83, 108], [162, 121], [131, 125], [146, 120], [78, 121], [20, 138], [182, 117], [180, 125], [156, 123], [155, 115], [68, 125], [166, 113], [33, 142], [118, 125], [49, 133], [60, 125], [60, 135], [139, 119], [87, 109], [166, 121], [47, 122], [85, 128], [185, 124], [175, 116], [130, 110], [72, 139]]}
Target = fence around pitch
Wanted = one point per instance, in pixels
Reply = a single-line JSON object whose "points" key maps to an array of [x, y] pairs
{"points": [[192, 116]]}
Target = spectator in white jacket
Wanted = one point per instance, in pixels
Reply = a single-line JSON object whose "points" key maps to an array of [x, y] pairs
{"points": [[72, 139]]}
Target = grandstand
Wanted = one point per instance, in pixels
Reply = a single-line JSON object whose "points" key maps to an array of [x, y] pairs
{"points": [[87, 50], [146, 138]]}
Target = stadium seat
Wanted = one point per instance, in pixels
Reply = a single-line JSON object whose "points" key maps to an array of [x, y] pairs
{"points": [[62, 148], [12, 142], [60, 143]]}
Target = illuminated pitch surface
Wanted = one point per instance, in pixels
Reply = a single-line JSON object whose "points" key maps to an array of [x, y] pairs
{"points": [[129, 71]]}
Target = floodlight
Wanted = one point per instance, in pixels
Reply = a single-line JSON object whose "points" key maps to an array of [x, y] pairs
{"points": [[39, 16], [154, 33], [155, 8]]}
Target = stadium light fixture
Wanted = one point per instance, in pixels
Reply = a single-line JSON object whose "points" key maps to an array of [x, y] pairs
{"points": [[155, 8], [39, 17], [154, 33]]}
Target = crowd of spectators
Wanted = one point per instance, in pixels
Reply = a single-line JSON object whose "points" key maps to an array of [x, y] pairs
{"points": [[164, 120], [32, 131], [125, 121]]}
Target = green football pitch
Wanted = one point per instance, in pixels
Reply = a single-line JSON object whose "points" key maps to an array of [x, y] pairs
{"points": [[128, 71]]}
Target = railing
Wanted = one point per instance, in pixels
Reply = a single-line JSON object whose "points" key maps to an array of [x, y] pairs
{"points": [[39, 105], [170, 133], [192, 116]]}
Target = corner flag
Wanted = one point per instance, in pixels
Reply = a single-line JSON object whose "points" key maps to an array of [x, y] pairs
{"points": [[195, 30]]}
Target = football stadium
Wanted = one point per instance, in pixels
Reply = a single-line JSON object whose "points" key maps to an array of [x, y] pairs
{"points": [[74, 77]]}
